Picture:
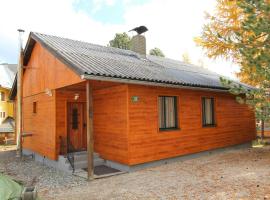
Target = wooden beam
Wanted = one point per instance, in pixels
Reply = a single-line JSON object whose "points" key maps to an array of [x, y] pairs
{"points": [[89, 121]]}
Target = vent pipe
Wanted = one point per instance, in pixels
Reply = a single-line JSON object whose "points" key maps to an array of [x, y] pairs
{"points": [[19, 96]]}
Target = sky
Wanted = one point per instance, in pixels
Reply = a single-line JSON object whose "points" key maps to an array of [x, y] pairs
{"points": [[172, 24]]}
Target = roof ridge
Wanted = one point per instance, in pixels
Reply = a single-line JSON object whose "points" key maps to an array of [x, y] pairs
{"points": [[81, 41], [136, 54]]}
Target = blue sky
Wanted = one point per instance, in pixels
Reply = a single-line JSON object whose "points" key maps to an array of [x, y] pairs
{"points": [[172, 24], [104, 10]]}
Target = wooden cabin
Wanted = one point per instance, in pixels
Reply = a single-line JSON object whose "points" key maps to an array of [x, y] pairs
{"points": [[144, 108]]}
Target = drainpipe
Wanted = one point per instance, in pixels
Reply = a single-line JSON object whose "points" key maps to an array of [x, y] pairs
{"points": [[19, 96]]}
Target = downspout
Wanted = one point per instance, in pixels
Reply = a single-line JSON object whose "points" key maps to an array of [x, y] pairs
{"points": [[19, 96]]}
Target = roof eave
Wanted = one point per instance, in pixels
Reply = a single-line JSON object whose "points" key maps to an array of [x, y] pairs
{"points": [[151, 83]]}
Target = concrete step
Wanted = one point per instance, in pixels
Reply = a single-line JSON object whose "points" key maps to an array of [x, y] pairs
{"points": [[99, 161], [84, 164], [80, 156], [64, 164], [80, 160]]}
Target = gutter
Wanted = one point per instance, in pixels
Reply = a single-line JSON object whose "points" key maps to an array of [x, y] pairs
{"points": [[139, 82]]}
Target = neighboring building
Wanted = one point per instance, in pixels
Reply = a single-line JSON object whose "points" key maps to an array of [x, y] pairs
{"points": [[145, 108], [7, 74], [7, 129]]}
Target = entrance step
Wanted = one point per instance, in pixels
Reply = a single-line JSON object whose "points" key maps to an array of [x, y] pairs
{"points": [[80, 160], [82, 156]]}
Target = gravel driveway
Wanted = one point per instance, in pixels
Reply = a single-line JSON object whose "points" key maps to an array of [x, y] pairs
{"points": [[233, 174]]}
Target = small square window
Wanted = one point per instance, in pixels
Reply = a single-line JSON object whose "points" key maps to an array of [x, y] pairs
{"points": [[35, 107]]}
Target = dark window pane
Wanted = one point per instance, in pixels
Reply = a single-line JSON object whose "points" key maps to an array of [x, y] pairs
{"points": [[208, 111], [2, 96], [34, 107], [167, 112], [74, 118]]}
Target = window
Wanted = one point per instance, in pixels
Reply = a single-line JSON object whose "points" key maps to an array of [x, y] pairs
{"points": [[34, 107], [75, 118], [167, 112], [2, 96], [2, 114], [208, 115]]}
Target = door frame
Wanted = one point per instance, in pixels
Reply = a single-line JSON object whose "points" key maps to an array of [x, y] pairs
{"points": [[67, 124]]}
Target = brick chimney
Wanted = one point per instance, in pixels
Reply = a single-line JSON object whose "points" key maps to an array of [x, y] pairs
{"points": [[138, 44]]}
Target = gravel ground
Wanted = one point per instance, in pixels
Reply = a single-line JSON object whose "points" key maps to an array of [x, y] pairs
{"points": [[233, 174]]}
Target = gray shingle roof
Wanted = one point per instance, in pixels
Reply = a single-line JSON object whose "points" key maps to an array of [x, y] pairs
{"points": [[7, 74], [100, 61], [7, 126]]}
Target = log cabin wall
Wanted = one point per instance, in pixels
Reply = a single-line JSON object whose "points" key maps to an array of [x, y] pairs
{"points": [[41, 124], [44, 72], [235, 124], [110, 123]]}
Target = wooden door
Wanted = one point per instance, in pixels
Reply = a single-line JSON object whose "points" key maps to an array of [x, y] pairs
{"points": [[76, 127]]}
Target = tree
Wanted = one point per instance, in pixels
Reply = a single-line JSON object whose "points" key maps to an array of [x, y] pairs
{"points": [[121, 41], [156, 52], [186, 58], [219, 29], [240, 30]]}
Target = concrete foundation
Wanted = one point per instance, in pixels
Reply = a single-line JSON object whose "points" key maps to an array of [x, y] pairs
{"points": [[62, 165], [128, 168], [59, 164]]}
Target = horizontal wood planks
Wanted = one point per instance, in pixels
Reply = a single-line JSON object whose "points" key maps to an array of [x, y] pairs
{"points": [[40, 124], [110, 123], [235, 124], [46, 71], [43, 73]]}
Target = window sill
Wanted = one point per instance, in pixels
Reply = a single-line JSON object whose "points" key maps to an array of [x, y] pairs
{"points": [[169, 129], [209, 126]]}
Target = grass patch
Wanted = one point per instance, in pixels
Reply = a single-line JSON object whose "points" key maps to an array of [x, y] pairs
{"points": [[259, 143]]}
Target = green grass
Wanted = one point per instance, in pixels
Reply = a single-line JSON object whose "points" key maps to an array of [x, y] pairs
{"points": [[259, 143]]}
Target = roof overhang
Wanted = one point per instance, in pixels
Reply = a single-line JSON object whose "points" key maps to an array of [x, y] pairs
{"points": [[140, 82], [32, 39]]}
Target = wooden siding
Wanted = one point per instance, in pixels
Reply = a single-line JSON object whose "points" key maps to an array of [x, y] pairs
{"points": [[46, 71], [110, 119], [235, 124], [40, 124], [110, 123], [43, 72]]}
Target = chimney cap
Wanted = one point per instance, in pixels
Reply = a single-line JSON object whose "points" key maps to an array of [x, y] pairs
{"points": [[20, 30], [140, 29]]}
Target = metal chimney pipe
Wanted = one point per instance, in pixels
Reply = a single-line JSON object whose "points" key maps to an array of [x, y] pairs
{"points": [[19, 96]]}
